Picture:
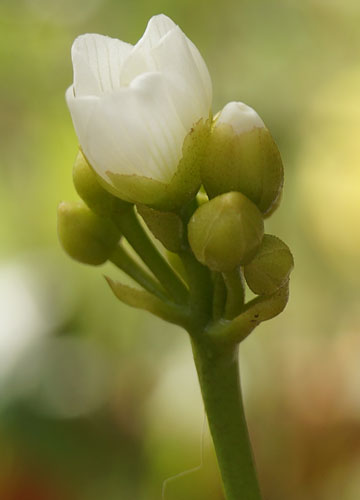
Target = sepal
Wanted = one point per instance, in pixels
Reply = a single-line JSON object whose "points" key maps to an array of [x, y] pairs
{"points": [[255, 312], [177, 264], [182, 187], [167, 227], [142, 299]]}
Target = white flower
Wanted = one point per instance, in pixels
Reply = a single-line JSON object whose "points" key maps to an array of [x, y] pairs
{"points": [[240, 116], [133, 106]]}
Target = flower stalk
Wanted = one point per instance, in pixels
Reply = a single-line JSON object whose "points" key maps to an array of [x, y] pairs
{"points": [[218, 372], [125, 262], [129, 225]]}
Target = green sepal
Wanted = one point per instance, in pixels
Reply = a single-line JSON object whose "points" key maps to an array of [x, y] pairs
{"points": [[86, 237], [271, 266], [255, 312], [249, 163], [226, 232], [167, 227], [142, 299], [177, 264], [90, 190], [182, 187]]}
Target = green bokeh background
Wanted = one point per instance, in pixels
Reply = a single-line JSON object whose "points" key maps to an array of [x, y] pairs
{"points": [[99, 401]]}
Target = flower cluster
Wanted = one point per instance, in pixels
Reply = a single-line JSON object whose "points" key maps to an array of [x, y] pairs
{"points": [[202, 184]]}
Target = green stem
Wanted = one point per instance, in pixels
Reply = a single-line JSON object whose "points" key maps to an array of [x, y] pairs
{"points": [[128, 265], [201, 287], [219, 297], [129, 225], [235, 293], [218, 371]]}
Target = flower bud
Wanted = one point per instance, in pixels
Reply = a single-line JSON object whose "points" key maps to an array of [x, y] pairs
{"points": [[86, 237], [271, 266], [89, 189], [242, 156], [226, 232]]}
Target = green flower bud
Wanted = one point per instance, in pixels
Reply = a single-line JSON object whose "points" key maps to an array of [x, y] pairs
{"points": [[90, 190], [86, 237], [274, 206], [271, 266], [226, 232], [242, 156]]}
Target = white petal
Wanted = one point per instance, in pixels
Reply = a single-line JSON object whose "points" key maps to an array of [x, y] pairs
{"points": [[85, 80], [135, 130], [81, 110], [139, 60], [156, 29], [241, 117], [190, 88], [203, 71], [165, 48], [97, 62]]}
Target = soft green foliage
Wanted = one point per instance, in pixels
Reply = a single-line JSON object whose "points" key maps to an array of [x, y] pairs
{"points": [[226, 232], [86, 237], [271, 266]]}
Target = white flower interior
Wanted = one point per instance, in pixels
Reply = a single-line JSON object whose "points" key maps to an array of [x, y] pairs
{"points": [[132, 106]]}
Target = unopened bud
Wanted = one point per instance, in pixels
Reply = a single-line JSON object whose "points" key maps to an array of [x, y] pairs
{"points": [[90, 190], [242, 156], [271, 266], [86, 237], [226, 232]]}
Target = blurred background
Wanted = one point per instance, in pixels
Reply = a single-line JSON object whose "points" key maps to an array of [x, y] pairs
{"points": [[100, 401]]}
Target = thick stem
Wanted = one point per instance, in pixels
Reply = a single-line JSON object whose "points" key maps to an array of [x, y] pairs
{"points": [[218, 371], [131, 228], [219, 296], [235, 293], [200, 288]]}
